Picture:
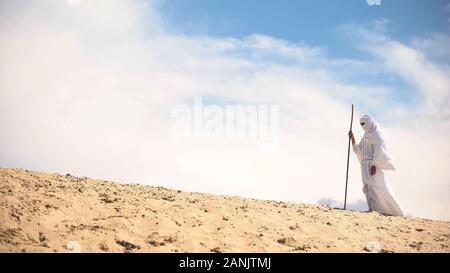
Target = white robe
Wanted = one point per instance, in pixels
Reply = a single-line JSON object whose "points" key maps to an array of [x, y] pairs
{"points": [[379, 194]]}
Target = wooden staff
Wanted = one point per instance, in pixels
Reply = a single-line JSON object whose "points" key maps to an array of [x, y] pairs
{"points": [[348, 158]]}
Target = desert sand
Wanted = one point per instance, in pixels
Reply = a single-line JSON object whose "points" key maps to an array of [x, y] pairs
{"points": [[45, 212]]}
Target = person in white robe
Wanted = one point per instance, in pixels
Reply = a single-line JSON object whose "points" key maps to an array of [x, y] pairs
{"points": [[374, 157]]}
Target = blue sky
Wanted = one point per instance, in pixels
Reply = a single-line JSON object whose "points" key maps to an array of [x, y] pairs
{"points": [[312, 22], [317, 24]]}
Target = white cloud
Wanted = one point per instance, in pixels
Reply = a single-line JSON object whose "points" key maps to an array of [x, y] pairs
{"points": [[89, 91], [429, 78], [437, 47]]}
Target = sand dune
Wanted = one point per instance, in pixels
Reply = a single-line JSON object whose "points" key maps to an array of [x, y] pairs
{"points": [[43, 212]]}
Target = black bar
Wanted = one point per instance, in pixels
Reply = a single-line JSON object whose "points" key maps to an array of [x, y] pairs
{"points": [[229, 262]]}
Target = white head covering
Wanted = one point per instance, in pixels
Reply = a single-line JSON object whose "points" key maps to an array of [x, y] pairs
{"points": [[373, 132]]}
